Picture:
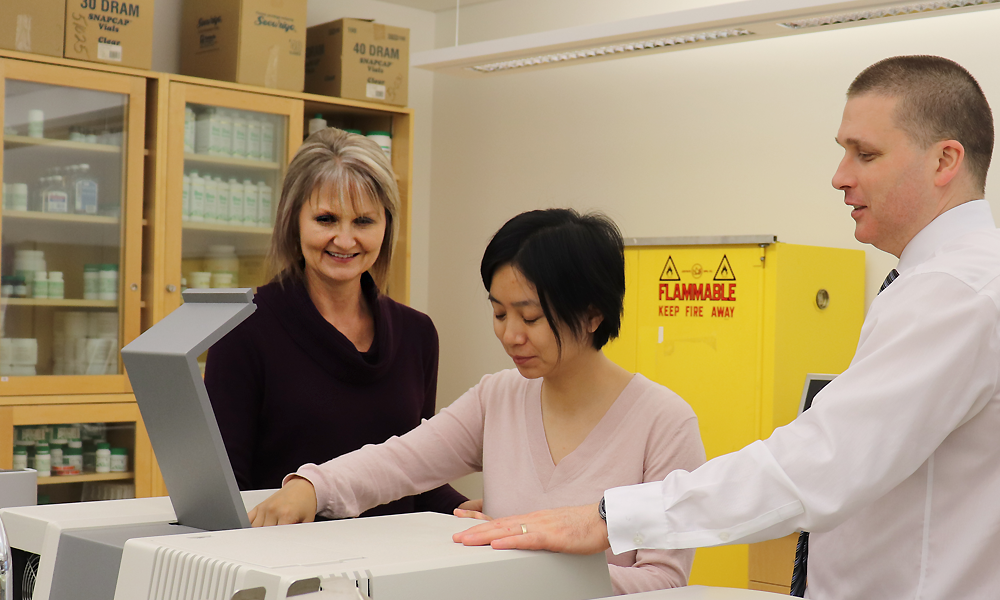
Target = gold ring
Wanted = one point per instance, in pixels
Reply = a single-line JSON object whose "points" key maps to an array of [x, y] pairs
{"points": [[524, 529]]}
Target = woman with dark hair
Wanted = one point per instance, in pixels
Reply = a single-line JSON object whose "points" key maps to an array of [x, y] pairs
{"points": [[563, 427], [327, 364]]}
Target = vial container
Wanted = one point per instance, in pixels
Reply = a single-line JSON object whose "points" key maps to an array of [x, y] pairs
{"points": [[206, 133], [57, 449], [43, 460], [7, 287], [57, 287], [266, 140], [36, 123], [23, 352], [264, 193], [225, 133], [239, 143], [250, 197], [222, 200], [108, 282], [186, 198], [102, 458], [40, 285], [91, 284], [19, 196], [222, 280], [197, 197], [236, 195], [190, 123], [20, 458], [254, 127], [384, 140], [211, 200], [119, 460], [317, 123], [20, 287], [73, 456], [200, 280]]}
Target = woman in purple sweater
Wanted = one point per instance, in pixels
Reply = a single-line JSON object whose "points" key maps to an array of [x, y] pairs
{"points": [[326, 364]]}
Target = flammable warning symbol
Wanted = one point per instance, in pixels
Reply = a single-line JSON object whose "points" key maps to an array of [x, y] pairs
{"points": [[725, 271], [670, 271]]}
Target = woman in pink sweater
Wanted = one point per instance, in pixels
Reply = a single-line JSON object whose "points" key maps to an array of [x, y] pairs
{"points": [[563, 427]]}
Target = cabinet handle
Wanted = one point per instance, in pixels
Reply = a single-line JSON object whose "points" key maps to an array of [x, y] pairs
{"points": [[134, 287], [171, 288]]}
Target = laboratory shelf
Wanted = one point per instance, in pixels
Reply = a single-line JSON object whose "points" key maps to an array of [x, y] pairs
{"points": [[85, 477], [20, 141], [35, 215], [226, 228], [60, 302], [191, 158]]}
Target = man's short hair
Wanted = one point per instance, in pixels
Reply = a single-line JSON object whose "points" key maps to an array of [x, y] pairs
{"points": [[938, 100]]}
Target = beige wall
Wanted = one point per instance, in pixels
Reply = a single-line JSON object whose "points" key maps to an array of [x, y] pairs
{"points": [[727, 140]]}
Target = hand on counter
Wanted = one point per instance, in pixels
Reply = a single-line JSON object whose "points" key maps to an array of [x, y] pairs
{"points": [[573, 530], [472, 509], [295, 502]]}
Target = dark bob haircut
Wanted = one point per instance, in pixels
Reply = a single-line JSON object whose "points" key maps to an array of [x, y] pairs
{"points": [[576, 263]]}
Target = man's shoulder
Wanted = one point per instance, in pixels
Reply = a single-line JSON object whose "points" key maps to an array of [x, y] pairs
{"points": [[973, 259]]}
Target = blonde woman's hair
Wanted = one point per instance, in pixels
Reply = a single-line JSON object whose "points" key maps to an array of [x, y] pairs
{"points": [[354, 170]]}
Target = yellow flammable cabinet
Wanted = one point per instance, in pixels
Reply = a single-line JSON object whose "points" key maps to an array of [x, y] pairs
{"points": [[733, 325]]}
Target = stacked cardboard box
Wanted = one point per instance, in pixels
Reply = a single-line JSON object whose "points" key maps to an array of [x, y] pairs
{"points": [[257, 42], [358, 59]]}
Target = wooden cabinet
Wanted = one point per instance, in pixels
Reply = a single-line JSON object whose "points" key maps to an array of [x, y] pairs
{"points": [[128, 127]]}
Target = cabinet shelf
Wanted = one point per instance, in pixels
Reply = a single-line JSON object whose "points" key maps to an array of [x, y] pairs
{"points": [[85, 477], [226, 228], [20, 141], [227, 161], [35, 215], [60, 302]]}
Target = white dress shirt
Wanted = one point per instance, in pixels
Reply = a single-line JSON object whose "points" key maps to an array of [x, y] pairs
{"points": [[896, 467]]}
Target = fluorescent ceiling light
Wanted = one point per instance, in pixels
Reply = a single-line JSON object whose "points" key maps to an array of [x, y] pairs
{"points": [[753, 19], [630, 47], [883, 13]]}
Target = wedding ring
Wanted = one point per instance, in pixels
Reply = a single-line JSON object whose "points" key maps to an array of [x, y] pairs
{"points": [[524, 529]]}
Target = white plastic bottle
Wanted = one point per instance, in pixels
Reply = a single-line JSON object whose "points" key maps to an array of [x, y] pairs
{"points": [[197, 197], [190, 132], [186, 198], [43, 460], [317, 123], [239, 143], [57, 287], [206, 132], [253, 139], [211, 200], [225, 133], [222, 200], [266, 139], [103, 458], [250, 197], [236, 194], [264, 192]]}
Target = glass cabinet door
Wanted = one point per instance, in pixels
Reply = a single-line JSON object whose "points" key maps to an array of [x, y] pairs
{"points": [[63, 257], [235, 147]]}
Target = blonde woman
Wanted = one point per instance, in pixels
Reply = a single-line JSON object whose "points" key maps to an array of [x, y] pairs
{"points": [[327, 363]]}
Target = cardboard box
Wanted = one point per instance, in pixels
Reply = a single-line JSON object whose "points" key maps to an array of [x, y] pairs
{"points": [[117, 32], [360, 60], [33, 26], [257, 42]]}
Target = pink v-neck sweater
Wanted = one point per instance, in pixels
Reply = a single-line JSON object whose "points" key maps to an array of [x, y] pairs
{"points": [[496, 427]]}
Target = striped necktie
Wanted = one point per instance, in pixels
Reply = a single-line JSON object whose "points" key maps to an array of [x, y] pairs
{"points": [[798, 588], [893, 274]]}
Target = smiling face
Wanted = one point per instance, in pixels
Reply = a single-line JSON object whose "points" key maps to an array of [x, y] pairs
{"points": [[520, 325], [340, 240], [886, 177]]}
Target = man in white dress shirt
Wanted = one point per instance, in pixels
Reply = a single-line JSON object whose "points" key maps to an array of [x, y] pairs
{"points": [[896, 468]]}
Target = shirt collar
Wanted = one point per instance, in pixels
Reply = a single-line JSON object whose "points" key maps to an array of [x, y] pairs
{"points": [[947, 227]]}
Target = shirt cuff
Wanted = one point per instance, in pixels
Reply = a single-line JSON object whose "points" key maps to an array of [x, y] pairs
{"points": [[635, 514]]}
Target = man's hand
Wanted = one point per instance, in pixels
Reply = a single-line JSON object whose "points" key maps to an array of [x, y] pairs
{"points": [[295, 502], [573, 530]]}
